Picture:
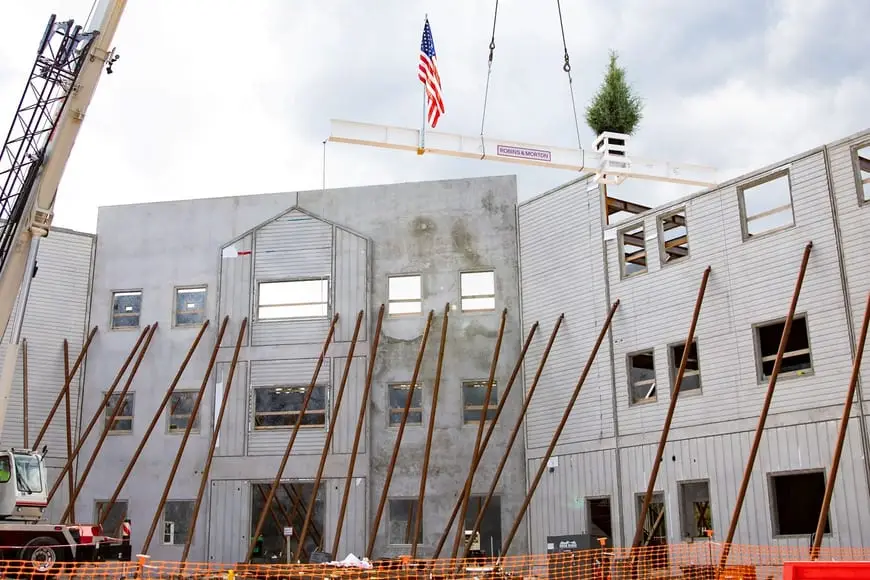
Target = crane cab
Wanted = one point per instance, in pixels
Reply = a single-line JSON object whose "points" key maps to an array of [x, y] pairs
{"points": [[22, 485]]}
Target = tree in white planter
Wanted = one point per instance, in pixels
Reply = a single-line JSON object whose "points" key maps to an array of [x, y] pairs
{"points": [[615, 109]]}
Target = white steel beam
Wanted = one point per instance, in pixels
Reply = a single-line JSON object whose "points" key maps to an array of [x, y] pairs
{"points": [[405, 139]]}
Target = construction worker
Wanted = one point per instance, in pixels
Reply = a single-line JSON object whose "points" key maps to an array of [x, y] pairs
{"points": [[5, 471]]}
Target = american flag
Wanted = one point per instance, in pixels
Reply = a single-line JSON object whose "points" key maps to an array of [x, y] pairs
{"points": [[428, 75]]}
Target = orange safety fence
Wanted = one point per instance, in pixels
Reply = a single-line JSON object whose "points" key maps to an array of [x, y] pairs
{"points": [[689, 561]]}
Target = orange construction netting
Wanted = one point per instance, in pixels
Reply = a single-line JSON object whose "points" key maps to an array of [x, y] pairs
{"points": [[693, 561]]}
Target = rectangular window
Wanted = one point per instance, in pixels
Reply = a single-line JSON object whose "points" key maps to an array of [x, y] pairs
{"points": [[692, 374], [696, 517], [123, 422], [862, 166], [398, 393], [477, 290], [402, 514], [599, 517], [632, 251], [490, 524], [797, 503], [405, 294], [116, 517], [278, 407], [293, 299], [473, 394], [180, 409], [642, 377], [190, 306], [766, 204], [126, 309], [177, 515], [655, 530], [674, 236], [796, 359]]}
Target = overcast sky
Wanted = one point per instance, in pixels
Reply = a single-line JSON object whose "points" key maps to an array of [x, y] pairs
{"points": [[218, 97]]}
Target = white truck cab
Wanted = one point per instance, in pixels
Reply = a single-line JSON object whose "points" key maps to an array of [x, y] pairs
{"points": [[22, 484]]}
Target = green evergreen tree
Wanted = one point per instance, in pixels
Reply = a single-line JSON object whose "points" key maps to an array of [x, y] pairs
{"points": [[615, 108]]}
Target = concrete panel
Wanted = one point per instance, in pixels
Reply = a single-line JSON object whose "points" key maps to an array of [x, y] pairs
{"points": [[229, 521], [345, 427], [232, 439], [235, 292], [351, 285]]}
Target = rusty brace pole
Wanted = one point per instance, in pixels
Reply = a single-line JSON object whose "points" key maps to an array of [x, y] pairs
{"points": [[214, 437], [154, 420], [360, 422], [69, 445], [330, 431], [392, 465], [762, 418], [66, 385], [514, 433], [289, 448], [477, 457], [108, 425], [841, 435], [421, 495], [555, 439], [190, 422], [663, 439], [97, 414], [24, 392], [501, 403]]}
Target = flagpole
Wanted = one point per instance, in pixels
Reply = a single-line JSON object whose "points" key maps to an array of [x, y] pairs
{"points": [[422, 148]]}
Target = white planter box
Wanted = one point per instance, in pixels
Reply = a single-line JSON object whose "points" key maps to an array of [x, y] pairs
{"points": [[614, 162]]}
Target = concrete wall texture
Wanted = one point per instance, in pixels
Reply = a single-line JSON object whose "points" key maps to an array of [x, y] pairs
{"points": [[552, 255]]}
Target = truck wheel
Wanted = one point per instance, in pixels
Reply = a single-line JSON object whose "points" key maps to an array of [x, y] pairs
{"points": [[44, 555]]}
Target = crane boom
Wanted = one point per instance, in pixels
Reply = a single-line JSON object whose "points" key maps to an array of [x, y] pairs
{"points": [[35, 203]]}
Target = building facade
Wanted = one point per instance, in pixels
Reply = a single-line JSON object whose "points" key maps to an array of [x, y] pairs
{"points": [[289, 262]]}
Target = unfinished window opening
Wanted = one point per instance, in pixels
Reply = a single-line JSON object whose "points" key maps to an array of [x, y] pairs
{"points": [[278, 407], [123, 422], [190, 306], [862, 166], [473, 395], [179, 411], [126, 309], [599, 520], [177, 515], [293, 299], [674, 236], [766, 205], [642, 377], [655, 531], [692, 374], [632, 251], [797, 503], [696, 516], [796, 360], [405, 295], [398, 395], [490, 525], [116, 517], [477, 290], [401, 522], [287, 509]]}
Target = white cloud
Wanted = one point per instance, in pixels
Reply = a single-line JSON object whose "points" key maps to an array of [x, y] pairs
{"points": [[226, 98]]}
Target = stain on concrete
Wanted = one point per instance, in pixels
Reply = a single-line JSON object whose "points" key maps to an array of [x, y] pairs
{"points": [[463, 243]]}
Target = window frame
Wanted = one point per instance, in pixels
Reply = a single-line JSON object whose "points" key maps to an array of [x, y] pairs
{"points": [[410, 522], [663, 243], [390, 409], [763, 179], [628, 366], [268, 428], [861, 187], [682, 504], [391, 300], [163, 523], [774, 508], [588, 514], [491, 408], [257, 306], [119, 501], [110, 406], [112, 316], [674, 367], [761, 378], [620, 244], [175, 311], [463, 297], [197, 428]]}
